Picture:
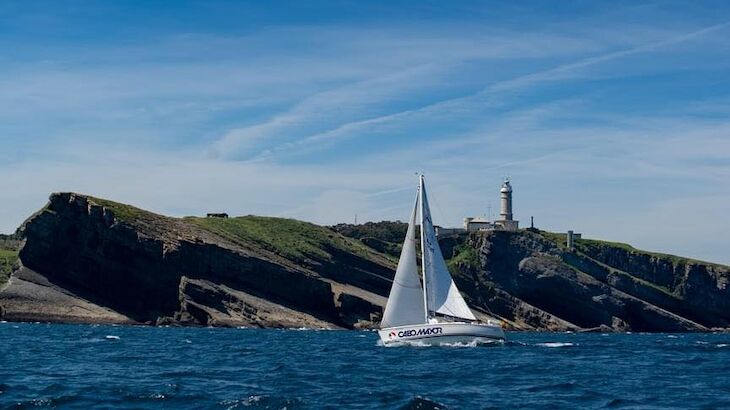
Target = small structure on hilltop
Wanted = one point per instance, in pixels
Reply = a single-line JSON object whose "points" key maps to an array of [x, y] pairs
{"points": [[217, 215], [478, 223], [570, 240]]}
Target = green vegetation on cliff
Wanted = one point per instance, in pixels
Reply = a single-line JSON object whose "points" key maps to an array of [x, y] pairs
{"points": [[292, 239], [385, 231], [9, 245], [465, 256], [121, 211], [10, 242], [385, 237], [592, 246], [8, 261]]}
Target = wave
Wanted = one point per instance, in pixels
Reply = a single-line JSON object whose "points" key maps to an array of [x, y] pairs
{"points": [[556, 344], [422, 403], [111, 337], [261, 402], [305, 329], [421, 343]]}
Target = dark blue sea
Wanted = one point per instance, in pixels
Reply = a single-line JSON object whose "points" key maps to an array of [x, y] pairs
{"points": [[69, 366]]}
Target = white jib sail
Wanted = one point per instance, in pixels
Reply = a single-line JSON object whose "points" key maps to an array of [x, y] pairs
{"points": [[441, 292], [405, 302]]}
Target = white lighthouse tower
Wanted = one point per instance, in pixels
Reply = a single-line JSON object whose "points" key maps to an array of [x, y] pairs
{"points": [[506, 201], [506, 223]]}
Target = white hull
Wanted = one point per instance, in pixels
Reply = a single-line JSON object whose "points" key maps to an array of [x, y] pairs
{"points": [[442, 333]]}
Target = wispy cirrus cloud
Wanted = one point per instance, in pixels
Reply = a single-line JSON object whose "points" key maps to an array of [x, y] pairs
{"points": [[484, 98]]}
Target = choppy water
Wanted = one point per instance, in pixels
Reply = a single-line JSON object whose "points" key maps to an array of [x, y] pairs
{"points": [[69, 366]]}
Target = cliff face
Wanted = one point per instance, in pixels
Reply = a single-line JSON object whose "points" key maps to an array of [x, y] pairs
{"points": [[532, 280], [86, 259], [94, 261]]}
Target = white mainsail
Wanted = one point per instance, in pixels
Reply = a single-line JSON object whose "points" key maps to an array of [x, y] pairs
{"points": [[405, 303], [442, 295]]}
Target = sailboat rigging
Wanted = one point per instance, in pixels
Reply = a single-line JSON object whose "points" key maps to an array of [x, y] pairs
{"points": [[431, 309]]}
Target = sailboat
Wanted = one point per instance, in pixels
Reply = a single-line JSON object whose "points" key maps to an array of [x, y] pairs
{"points": [[431, 311]]}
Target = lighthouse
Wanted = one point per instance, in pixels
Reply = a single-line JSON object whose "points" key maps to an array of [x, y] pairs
{"points": [[507, 223], [481, 223], [506, 201]]}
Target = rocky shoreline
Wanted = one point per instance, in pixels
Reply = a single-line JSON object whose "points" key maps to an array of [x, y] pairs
{"points": [[88, 260]]}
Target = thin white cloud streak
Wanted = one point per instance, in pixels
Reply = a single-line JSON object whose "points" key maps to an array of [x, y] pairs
{"points": [[491, 92], [435, 54], [559, 72], [318, 109]]}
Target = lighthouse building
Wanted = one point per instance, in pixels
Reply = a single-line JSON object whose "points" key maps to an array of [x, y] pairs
{"points": [[480, 223], [506, 222]]}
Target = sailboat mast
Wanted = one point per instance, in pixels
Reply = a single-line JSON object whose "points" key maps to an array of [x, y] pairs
{"points": [[423, 249]]}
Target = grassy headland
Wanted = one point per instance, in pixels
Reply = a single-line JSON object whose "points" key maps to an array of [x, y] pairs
{"points": [[289, 238]]}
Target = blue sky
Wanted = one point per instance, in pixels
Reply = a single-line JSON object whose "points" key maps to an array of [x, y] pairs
{"points": [[611, 118]]}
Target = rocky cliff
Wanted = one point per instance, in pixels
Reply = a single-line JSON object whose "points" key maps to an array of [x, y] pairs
{"points": [[85, 259], [531, 280], [90, 260]]}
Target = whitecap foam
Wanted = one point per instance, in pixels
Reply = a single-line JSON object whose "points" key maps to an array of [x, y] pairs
{"points": [[401, 343], [722, 345], [473, 343], [672, 336], [111, 337], [556, 344], [421, 343]]}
